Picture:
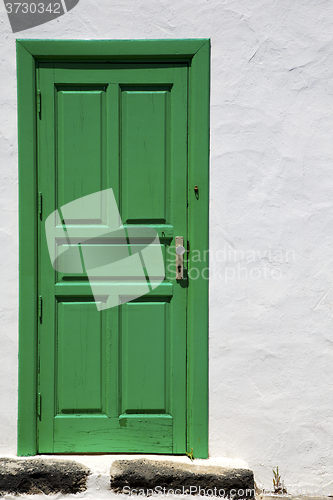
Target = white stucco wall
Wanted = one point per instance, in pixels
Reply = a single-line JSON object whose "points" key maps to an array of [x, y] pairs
{"points": [[271, 220]]}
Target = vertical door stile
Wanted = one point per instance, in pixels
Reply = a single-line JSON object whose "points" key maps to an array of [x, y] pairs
{"points": [[38, 257]]}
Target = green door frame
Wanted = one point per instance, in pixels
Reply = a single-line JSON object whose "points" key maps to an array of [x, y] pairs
{"points": [[196, 53]]}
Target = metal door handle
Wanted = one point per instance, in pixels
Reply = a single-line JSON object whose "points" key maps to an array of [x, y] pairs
{"points": [[180, 250]]}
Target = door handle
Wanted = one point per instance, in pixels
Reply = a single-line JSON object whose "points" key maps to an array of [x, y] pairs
{"points": [[180, 250]]}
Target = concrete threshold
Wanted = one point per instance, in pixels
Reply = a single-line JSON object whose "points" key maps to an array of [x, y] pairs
{"points": [[122, 476]]}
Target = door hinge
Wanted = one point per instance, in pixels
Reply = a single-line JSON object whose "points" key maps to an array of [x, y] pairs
{"points": [[40, 308], [39, 404], [40, 205], [39, 102]]}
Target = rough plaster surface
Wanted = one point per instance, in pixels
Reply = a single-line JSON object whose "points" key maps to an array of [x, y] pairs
{"points": [[271, 225]]}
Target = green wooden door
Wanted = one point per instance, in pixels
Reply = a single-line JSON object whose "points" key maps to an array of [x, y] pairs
{"points": [[114, 379]]}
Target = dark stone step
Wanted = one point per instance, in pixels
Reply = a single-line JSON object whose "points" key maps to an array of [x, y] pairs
{"points": [[34, 476], [153, 477]]}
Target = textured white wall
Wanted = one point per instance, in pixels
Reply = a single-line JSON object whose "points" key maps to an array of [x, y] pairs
{"points": [[271, 222]]}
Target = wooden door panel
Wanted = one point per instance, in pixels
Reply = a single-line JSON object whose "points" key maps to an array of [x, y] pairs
{"points": [[145, 359], [80, 358], [145, 153], [80, 128], [129, 434]]}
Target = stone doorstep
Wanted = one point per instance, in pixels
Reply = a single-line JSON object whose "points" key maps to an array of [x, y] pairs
{"points": [[173, 475], [33, 476], [149, 477]]}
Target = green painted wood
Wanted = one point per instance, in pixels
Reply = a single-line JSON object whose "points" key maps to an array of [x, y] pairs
{"points": [[79, 289], [79, 142], [77, 434], [154, 54], [178, 198], [26, 92], [198, 175], [47, 185], [147, 344], [101, 251], [159, 50], [144, 339], [80, 384], [145, 169]]}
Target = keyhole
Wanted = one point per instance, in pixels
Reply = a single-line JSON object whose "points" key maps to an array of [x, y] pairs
{"points": [[179, 269]]}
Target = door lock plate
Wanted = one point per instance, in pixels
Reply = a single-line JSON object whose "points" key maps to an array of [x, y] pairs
{"points": [[180, 250]]}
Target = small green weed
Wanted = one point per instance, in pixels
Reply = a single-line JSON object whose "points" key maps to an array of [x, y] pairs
{"points": [[278, 485], [190, 454]]}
